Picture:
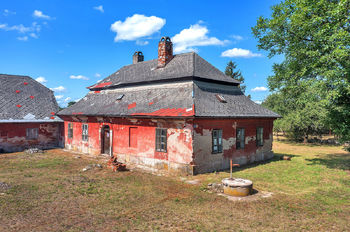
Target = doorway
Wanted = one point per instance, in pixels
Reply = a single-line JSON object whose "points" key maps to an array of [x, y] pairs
{"points": [[105, 143]]}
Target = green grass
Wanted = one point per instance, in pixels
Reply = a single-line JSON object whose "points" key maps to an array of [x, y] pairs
{"points": [[50, 193]]}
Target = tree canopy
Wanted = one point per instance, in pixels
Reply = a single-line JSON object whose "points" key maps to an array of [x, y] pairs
{"points": [[232, 71], [314, 38]]}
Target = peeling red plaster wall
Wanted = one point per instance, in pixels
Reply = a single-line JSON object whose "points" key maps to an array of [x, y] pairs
{"points": [[205, 161], [49, 135]]}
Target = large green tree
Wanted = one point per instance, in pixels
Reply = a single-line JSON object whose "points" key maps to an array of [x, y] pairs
{"points": [[314, 38], [232, 71]]}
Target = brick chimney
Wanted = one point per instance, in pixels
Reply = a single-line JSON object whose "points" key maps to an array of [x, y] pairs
{"points": [[165, 51], [137, 57]]}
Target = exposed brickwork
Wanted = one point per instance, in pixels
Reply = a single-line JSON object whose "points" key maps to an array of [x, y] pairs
{"points": [[165, 51]]}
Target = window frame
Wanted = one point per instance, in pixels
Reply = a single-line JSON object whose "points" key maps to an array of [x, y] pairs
{"points": [[30, 135], [85, 133], [216, 136], [70, 130], [161, 146], [239, 141], [130, 137], [260, 141]]}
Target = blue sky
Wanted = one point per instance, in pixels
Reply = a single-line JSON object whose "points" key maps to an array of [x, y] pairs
{"points": [[70, 45]]}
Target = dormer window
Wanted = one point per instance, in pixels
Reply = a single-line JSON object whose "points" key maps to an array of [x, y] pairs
{"points": [[221, 98], [120, 97]]}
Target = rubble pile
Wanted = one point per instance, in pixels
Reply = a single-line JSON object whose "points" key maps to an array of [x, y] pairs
{"points": [[33, 150], [91, 166], [116, 165]]}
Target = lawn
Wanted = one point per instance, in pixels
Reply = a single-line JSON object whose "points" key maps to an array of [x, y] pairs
{"points": [[50, 193]]}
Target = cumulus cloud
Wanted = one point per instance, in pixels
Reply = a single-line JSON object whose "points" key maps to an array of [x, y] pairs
{"points": [[79, 77], [239, 52], [59, 97], [97, 75], [141, 43], [40, 14], [21, 28], [67, 99], [195, 35], [237, 37], [23, 38], [258, 102], [58, 89], [259, 89], [41, 80], [99, 8], [136, 27]]}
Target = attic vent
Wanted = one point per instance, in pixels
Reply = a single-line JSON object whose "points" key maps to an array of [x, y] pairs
{"points": [[220, 98], [120, 97]]}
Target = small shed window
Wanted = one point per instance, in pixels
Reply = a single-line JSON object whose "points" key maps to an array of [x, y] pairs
{"points": [[70, 130], [32, 133], [216, 141], [85, 132], [240, 137], [259, 136], [161, 140]]}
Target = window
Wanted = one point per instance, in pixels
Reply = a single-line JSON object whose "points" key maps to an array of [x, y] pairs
{"points": [[32, 133], [221, 98], [217, 141], [260, 136], [133, 137], [85, 132], [70, 130], [240, 137], [120, 97], [161, 140]]}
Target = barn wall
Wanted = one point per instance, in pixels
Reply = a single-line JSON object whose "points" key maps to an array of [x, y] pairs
{"points": [[140, 148], [13, 136], [205, 161]]}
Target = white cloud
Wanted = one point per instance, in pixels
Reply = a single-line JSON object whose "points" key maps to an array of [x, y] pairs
{"points": [[33, 35], [41, 80], [67, 99], [76, 100], [259, 89], [99, 8], [141, 43], [97, 75], [239, 52], [136, 27], [20, 28], [59, 97], [23, 38], [58, 89], [237, 37], [8, 12], [79, 77], [258, 102], [40, 14], [195, 35]]}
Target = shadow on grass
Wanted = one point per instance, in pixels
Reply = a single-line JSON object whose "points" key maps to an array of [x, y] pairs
{"points": [[276, 158], [333, 161]]}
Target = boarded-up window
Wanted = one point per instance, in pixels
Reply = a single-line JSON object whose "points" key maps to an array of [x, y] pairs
{"points": [[240, 137], [217, 141], [85, 132], [260, 136], [70, 130], [161, 139], [32, 133], [133, 137]]}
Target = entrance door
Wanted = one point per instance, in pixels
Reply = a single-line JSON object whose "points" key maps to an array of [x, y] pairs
{"points": [[105, 140]]}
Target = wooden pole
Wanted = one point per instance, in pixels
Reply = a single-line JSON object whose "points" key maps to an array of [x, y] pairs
{"points": [[231, 168]]}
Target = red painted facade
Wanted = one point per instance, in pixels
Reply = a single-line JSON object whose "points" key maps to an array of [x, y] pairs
{"points": [[13, 136], [189, 141]]}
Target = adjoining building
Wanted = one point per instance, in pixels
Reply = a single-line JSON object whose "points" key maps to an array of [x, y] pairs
{"points": [[176, 113], [28, 115]]}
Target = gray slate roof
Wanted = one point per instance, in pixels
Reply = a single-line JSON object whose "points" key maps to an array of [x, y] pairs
{"points": [[175, 100], [182, 65], [32, 101]]}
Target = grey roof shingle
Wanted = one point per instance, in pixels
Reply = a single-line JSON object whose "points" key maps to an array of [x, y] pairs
{"points": [[22, 98], [182, 65], [170, 100]]}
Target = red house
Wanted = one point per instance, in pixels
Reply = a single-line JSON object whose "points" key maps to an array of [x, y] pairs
{"points": [[27, 115], [176, 113]]}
